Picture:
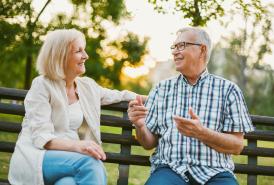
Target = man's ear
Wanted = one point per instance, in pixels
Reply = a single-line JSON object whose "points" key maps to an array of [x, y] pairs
{"points": [[203, 51]]}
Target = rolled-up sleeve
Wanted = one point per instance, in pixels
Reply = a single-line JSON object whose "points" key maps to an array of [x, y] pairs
{"points": [[236, 116], [38, 114], [152, 116]]}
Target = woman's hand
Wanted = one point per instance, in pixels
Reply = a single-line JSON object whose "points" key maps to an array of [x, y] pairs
{"points": [[137, 112], [90, 148]]}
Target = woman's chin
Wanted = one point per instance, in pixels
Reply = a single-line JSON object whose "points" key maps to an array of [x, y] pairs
{"points": [[81, 71]]}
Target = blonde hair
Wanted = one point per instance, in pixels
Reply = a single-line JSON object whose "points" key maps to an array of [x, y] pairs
{"points": [[53, 55], [201, 37]]}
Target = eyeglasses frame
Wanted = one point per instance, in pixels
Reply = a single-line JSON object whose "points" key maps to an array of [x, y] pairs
{"points": [[174, 47]]}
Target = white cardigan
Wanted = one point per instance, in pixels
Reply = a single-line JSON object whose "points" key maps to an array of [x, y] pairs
{"points": [[46, 117]]}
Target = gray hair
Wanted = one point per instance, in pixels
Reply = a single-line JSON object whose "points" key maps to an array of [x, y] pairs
{"points": [[201, 37]]}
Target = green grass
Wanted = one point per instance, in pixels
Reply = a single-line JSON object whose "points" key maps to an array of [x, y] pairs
{"points": [[5, 157]]}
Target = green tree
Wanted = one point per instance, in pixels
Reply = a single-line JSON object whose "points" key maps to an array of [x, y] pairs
{"points": [[108, 58], [89, 17], [20, 31], [200, 12]]}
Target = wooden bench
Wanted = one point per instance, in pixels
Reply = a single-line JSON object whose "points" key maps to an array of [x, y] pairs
{"points": [[11, 103]]}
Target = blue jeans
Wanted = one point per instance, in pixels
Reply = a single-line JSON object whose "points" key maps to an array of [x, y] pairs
{"points": [[165, 176], [71, 168]]}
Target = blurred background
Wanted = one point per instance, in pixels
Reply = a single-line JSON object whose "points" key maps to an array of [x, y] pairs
{"points": [[128, 43]]}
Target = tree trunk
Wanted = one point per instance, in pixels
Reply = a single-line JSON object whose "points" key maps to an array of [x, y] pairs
{"points": [[197, 14], [28, 71]]}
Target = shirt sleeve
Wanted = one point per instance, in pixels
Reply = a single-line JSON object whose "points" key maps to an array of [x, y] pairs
{"points": [[38, 114], [152, 117], [236, 116]]}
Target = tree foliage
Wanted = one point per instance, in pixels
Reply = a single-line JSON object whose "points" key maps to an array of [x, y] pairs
{"points": [[20, 32], [20, 46], [200, 12]]}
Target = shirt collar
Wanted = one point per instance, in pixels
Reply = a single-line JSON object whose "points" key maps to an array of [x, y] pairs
{"points": [[203, 76]]}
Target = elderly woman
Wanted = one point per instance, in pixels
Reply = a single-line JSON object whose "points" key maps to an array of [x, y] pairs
{"points": [[49, 150]]}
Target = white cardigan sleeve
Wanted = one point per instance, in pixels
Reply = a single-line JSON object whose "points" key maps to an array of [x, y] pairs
{"points": [[38, 113], [109, 96]]}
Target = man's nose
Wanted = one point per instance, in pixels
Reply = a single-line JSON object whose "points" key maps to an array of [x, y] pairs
{"points": [[175, 52]]}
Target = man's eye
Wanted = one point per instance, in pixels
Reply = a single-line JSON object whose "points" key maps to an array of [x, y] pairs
{"points": [[181, 46]]}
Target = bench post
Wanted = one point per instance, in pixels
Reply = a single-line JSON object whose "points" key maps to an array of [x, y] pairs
{"points": [[252, 160], [125, 150]]}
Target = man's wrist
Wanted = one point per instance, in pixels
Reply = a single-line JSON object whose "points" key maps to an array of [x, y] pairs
{"points": [[204, 134]]}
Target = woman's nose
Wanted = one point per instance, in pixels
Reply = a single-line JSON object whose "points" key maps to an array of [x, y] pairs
{"points": [[85, 56]]}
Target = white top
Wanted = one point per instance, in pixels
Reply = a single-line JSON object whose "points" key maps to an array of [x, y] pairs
{"points": [[76, 117]]}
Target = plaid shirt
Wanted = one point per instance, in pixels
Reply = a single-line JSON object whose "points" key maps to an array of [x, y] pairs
{"points": [[221, 107]]}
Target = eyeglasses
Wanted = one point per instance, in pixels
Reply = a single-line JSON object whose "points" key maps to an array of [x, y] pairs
{"points": [[182, 45]]}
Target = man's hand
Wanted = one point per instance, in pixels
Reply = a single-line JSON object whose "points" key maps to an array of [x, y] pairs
{"points": [[137, 112], [229, 143], [189, 127], [141, 98]]}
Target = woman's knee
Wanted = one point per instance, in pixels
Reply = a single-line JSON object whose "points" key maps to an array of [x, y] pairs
{"points": [[91, 170], [65, 180], [83, 168], [92, 165]]}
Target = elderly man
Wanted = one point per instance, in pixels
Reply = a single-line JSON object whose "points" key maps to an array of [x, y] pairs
{"points": [[195, 120]]}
